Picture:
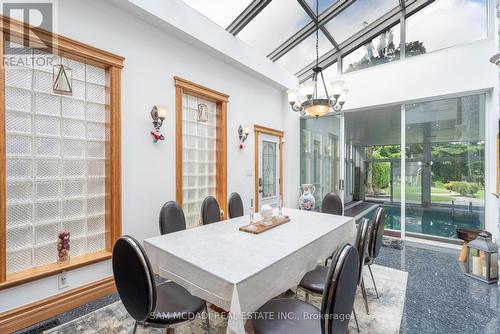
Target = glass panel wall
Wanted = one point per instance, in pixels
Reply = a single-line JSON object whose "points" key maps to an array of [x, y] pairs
{"points": [[429, 29], [320, 155], [445, 166], [375, 138], [444, 160], [382, 49]]}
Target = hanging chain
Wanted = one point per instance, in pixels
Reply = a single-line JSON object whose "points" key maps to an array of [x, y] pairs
{"points": [[317, 32]]}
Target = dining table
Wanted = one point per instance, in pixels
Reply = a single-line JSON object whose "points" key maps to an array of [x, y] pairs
{"points": [[240, 271]]}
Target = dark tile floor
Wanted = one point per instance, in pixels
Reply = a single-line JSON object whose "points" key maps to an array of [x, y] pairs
{"points": [[439, 298]]}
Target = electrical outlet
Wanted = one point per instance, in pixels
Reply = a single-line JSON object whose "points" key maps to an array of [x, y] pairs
{"points": [[249, 172], [63, 280]]}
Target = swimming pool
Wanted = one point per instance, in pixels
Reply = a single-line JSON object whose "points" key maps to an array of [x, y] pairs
{"points": [[441, 221]]}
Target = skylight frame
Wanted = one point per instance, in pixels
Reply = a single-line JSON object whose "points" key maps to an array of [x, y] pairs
{"points": [[393, 17]]}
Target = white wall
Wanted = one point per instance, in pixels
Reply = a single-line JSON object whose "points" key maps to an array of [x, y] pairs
{"points": [[153, 58]]}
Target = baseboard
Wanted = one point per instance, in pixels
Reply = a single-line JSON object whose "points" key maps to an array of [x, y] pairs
{"points": [[30, 314]]}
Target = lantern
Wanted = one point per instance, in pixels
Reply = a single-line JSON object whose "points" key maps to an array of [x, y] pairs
{"points": [[482, 259]]}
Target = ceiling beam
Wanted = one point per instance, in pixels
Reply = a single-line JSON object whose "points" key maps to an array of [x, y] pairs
{"points": [[371, 31], [303, 33], [246, 16]]}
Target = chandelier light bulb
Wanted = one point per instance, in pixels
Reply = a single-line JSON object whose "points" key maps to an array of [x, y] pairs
{"points": [[292, 95], [337, 87], [343, 97], [309, 89]]}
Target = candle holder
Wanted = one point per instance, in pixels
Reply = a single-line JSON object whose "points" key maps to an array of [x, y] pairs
{"points": [[63, 242], [482, 259]]}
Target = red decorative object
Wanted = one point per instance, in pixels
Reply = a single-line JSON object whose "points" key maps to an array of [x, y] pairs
{"points": [[241, 146], [157, 135], [63, 247]]}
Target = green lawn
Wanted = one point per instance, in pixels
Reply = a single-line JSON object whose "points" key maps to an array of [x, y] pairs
{"points": [[438, 194], [413, 194]]}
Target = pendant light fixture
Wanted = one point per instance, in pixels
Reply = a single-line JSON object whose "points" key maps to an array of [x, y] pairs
{"points": [[306, 100]]}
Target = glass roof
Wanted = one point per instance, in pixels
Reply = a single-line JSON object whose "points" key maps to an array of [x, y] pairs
{"points": [[222, 12], [304, 53], [323, 4], [274, 27], [357, 16], [281, 17]]}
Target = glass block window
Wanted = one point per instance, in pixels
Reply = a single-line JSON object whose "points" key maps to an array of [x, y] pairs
{"points": [[55, 161], [198, 157]]}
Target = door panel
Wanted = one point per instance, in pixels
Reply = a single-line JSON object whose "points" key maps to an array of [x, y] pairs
{"points": [[269, 169]]}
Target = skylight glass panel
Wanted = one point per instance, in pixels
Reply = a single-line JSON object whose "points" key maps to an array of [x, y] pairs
{"points": [[274, 25], [304, 53], [446, 23], [323, 4], [222, 12], [357, 16]]}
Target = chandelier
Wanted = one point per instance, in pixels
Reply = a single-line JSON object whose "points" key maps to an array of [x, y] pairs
{"points": [[307, 99]]}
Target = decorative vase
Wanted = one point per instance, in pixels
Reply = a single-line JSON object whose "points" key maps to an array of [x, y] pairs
{"points": [[266, 212], [306, 199], [63, 247]]}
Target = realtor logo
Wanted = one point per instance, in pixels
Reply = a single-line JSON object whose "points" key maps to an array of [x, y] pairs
{"points": [[38, 14]]}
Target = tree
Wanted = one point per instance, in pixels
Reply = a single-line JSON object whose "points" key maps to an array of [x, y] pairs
{"points": [[386, 51]]}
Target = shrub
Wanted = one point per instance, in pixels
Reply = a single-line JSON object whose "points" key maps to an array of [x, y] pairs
{"points": [[381, 175], [463, 188]]}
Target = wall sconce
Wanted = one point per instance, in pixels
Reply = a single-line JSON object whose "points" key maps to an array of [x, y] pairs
{"points": [[243, 134], [202, 116], [158, 113]]}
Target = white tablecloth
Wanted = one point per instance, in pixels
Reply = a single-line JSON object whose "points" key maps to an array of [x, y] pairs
{"points": [[239, 271]]}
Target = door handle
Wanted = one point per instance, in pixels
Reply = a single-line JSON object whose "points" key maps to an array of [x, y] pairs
{"points": [[260, 185]]}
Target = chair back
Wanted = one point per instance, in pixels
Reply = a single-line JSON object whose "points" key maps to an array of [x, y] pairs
{"points": [[171, 218], [134, 278], [377, 233], [235, 206], [362, 238], [210, 211], [340, 291], [332, 204]]}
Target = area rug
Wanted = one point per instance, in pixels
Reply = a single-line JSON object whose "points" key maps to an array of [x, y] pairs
{"points": [[385, 312]]}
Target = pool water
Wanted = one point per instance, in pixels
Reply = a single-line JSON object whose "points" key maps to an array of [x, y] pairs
{"points": [[438, 221]]}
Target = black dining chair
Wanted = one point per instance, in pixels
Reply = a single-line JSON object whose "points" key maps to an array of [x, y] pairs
{"points": [[336, 305], [362, 238], [171, 218], [375, 241], [235, 205], [332, 204], [314, 281], [161, 306], [210, 211]]}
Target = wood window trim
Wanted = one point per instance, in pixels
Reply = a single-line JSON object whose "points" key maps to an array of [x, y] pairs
{"points": [[220, 99], [113, 64], [258, 129]]}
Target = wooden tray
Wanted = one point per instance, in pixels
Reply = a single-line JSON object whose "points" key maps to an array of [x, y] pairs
{"points": [[276, 221]]}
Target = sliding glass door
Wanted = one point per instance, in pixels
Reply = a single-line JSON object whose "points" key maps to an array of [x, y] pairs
{"points": [[423, 162], [444, 177]]}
